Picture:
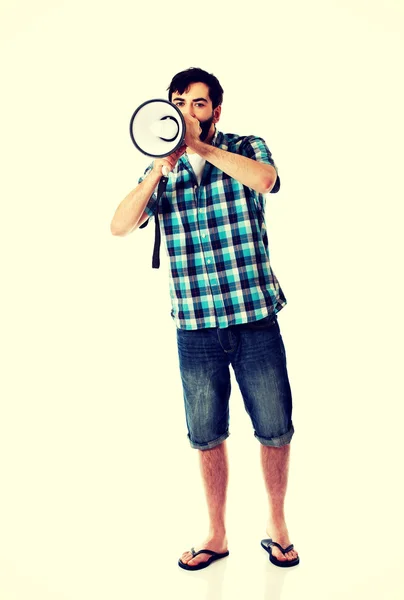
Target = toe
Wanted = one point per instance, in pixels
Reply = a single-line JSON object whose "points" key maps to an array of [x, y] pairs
{"points": [[186, 557], [278, 554]]}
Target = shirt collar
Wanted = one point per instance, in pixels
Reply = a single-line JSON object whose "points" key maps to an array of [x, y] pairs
{"points": [[217, 138]]}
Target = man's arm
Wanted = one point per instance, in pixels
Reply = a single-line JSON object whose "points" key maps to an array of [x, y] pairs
{"points": [[259, 176], [130, 213], [256, 175]]}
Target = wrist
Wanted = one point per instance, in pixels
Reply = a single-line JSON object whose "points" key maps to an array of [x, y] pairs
{"points": [[200, 148], [156, 172]]}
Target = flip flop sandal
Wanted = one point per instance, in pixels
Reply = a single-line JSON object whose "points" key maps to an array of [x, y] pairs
{"points": [[267, 545], [214, 556]]}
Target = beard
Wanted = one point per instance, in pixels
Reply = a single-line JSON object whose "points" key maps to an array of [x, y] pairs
{"points": [[205, 126]]}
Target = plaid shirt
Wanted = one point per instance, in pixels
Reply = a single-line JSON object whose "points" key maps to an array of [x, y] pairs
{"points": [[216, 241]]}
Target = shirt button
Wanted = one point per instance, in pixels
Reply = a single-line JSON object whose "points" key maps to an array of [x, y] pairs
{"points": [[204, 235], [201, 210], [195, 187], [208, 261]]}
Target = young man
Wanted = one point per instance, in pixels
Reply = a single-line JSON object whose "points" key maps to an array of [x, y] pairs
{"points": [[225, 300]]}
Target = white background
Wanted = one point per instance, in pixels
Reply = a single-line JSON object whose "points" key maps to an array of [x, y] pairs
{"points": [[100, 491]]}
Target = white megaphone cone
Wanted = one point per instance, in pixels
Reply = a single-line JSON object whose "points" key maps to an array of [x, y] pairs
{"points": [[157, 128], [165, 129]]}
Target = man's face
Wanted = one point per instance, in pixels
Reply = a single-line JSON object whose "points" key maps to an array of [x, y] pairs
{"points": [[196, 102]]}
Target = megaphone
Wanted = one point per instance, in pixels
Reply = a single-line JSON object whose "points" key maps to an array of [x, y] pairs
{"points": [[157, 128]]}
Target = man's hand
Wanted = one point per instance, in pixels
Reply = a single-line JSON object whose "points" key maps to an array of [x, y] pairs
{"points": [[193, 131], [168, 161]]}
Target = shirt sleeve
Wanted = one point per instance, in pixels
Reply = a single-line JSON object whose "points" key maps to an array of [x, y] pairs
{"points": [[150, 207], [256, 148]]}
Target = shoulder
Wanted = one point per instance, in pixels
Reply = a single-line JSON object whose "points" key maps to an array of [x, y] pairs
{"points": [[239, 143]]}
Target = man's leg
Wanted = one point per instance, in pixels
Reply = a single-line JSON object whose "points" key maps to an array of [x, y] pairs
{"points": [[261, 371], [275, 466], [214, 470]]}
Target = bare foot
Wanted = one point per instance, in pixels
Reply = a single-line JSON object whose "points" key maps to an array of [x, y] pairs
{"points": [[216, 543], [278, 532]]}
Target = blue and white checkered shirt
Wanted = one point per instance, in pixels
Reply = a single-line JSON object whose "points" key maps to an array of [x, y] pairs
{"points": [[216, 241]]}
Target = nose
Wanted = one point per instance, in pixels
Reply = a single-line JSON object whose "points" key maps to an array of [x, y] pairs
{"points": [[189, 110]]}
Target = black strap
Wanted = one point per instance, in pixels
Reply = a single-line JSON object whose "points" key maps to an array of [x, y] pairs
{"points": [[283, 550], [205, 551], [157, 235]]}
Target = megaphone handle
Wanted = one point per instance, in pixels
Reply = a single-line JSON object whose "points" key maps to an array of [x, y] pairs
{"points": [[157, 235], [161, 188]]}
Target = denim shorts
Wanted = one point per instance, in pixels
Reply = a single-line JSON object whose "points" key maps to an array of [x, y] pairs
{"points": [[257, 355]]}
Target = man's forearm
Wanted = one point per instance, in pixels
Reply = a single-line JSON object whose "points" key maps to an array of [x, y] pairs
{"points": [[130, 210], [251, 173]]}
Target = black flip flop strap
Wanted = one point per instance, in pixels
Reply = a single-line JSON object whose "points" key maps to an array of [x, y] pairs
{"points": [[203, 552], [283, 550]]}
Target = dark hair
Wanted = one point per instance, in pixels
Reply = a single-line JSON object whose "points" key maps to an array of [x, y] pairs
{"points": [[181, 82]]}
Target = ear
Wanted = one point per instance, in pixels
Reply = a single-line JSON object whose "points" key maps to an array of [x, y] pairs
{"points": [[216, 113]]}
